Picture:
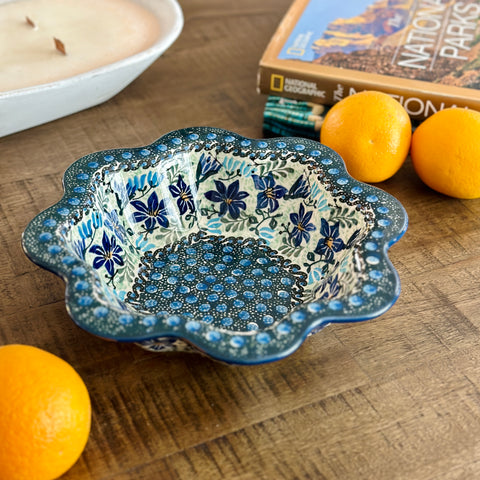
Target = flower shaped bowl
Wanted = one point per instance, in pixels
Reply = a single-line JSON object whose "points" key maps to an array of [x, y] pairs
{"points": [[209, 241]]}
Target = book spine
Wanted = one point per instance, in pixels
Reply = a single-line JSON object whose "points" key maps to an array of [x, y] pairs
{"points": [[328, 90]]}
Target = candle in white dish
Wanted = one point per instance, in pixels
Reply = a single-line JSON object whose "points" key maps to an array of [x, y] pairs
{"points": [[94, 33]]}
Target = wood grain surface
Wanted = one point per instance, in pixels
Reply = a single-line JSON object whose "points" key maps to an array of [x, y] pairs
{"points": [[392, 398]]}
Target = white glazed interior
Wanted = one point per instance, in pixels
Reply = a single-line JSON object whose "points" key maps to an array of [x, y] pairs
{"points": [[115, 195]]}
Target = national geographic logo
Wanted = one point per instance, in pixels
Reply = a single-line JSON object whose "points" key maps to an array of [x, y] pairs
{"points": [[279, 83], [276, 83]]}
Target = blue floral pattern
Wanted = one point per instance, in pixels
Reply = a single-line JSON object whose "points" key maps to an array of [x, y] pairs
{"points": [[151, 213], [300, 189], [269, 201], [183, 193], [204, 235], [331, 242], [107, 255], [270, 193], [231, 199], [208, 165], [286, 208], [114, 223], [301, 226]]}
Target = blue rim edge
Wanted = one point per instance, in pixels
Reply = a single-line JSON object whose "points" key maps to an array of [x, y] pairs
{"points": [[378, 293]]}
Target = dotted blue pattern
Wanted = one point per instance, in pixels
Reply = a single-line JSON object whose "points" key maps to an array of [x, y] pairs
{"points": [[232, 283]]}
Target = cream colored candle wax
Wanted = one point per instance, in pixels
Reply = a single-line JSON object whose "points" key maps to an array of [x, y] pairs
{"points": [[94, 32]]}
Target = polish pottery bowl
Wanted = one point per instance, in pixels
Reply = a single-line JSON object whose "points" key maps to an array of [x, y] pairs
{"points": [[212, 242]]}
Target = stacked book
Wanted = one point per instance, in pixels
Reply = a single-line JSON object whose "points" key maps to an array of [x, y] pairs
{"points": [[284, 117], [426, 54]]}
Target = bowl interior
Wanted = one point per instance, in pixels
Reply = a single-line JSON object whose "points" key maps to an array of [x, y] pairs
{"points": [[223, 236]]}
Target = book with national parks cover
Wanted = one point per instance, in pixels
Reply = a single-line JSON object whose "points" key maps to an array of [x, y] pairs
{"points": [[425, 53]]}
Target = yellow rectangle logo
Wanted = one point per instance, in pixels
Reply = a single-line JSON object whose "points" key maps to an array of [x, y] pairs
{"points": [[276, 82]]}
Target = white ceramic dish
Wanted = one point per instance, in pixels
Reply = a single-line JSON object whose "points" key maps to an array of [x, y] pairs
{"points": [[28, 107]]}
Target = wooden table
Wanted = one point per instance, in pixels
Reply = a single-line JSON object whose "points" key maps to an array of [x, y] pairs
{"points": [[393, 398]]}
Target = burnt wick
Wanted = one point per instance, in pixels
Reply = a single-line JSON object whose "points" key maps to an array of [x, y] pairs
{"points": [[30, 22], [60, 46]]}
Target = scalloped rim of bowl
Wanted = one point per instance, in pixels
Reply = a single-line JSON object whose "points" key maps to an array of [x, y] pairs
{"points": [[380, 290], [31, 106]]}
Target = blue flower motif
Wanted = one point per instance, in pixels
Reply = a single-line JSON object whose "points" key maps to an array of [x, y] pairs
{"points": [[230, 198], [207, 165], [130, 190], [97, 219], [231, 164], [108, 254], [243, 168], [123, 192], [112, 222], [214, 226], [329, 289], [301, 226], [331, 243], [85, 229], [300, 189], [153, 179], [269, 192], [267, 234], [79, 248], [151, 213], [143, 244], [139, 181], [183, 193], [246, 169]]}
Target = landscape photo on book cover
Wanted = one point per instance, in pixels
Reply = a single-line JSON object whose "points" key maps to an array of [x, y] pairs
{"points": [[431, 40]]}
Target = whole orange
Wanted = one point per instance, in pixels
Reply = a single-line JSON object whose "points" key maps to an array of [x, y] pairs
{"points": [[44, 414], [446, 152], [371, 131]]}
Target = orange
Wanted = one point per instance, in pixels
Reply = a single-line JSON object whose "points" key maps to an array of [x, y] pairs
{"points": [[371, 131], [446, 152], [44, 414]]}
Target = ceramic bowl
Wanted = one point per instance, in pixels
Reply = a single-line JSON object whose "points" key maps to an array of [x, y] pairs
{"points": [[28, 107], [206, 240]]}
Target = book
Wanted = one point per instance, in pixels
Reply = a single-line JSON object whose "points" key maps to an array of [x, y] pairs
{"points": [[285, 117], [425, 53]]}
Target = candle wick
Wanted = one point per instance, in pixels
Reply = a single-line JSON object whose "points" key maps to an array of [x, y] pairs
{"points": [[60, 46], [30, 22]]}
